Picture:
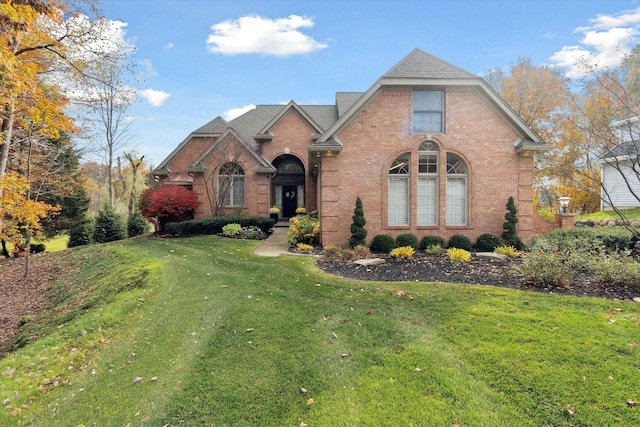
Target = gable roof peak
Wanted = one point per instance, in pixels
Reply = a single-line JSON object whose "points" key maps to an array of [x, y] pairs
{"points": [[419, 64], [215, 126]]}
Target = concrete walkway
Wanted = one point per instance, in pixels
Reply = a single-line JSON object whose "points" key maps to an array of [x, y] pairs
{"points": [[276, 244]]}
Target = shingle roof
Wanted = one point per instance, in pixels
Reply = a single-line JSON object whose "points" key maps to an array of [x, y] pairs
{"points": [[419, 64], [344, 100], [215, 126]]}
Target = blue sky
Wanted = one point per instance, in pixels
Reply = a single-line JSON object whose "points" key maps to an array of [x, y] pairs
{"points": [[200, 59]]}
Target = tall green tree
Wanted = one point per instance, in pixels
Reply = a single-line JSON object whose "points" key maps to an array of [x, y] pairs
{"points": [[358, 232]]}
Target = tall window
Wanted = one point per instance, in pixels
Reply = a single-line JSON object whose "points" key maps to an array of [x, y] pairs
{"points": [[398, 200], [231, 184], [428, 158], [427, 111], [456, 190]]}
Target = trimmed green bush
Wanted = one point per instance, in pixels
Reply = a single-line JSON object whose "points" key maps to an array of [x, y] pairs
{"points": [[110, 226], [208, 226], [382, 243], [358, 232], [487, 243], [407, 239], [431, 241], [36, 248], [509, 234], [459, 241]]}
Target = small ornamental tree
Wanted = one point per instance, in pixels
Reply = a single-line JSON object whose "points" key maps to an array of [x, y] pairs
{"points": [[509, 234], [168, 203], [358, 232], [110, 226]]}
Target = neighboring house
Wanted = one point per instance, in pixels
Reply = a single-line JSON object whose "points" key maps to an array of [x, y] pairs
{"points": [[430, 149], [620, 170]]}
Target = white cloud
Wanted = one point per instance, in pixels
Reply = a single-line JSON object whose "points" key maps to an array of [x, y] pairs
{"points": [[169, 45], [604, 43], [236, 112], [154, 97], [257, 34], [146, 69]]}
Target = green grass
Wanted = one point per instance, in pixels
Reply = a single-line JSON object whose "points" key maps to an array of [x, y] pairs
{"points": [[54, 244], [221, 337], [631, 214]]}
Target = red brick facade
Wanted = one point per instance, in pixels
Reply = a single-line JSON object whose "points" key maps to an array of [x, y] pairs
{"points": [[345, 151]]}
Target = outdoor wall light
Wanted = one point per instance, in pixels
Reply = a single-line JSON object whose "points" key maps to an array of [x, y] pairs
{"points": [[564, 202]]}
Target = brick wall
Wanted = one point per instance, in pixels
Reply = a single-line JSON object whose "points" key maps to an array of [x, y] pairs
{"points": [[383, 130]]}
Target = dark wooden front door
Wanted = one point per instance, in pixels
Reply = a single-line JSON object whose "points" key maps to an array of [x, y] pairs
{"points": [[289, 200]]}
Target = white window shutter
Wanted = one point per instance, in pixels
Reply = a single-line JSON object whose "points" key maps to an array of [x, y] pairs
{"points": [[398, 201], [456, 201], [427, 201]]}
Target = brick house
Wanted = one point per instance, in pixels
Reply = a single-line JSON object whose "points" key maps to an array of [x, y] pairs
{"points": [[430, 149]]}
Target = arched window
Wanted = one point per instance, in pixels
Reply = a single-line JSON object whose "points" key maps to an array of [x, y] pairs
{"points": [[231, 184], [428, 160], [457, 174], [398, 201]]}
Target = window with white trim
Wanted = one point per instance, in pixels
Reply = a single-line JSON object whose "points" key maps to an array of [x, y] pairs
{"points": [[231, 184], [398, 191], [428, 108], [457, 174], [428, 159]]}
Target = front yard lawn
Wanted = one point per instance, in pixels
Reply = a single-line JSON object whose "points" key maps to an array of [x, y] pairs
{"points": [[201, 331]]}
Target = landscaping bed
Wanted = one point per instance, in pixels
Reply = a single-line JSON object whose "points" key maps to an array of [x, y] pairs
{"points": [[480, 270]]}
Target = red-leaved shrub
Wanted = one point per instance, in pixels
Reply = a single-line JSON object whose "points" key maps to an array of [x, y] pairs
{"points": [[168, 203]]}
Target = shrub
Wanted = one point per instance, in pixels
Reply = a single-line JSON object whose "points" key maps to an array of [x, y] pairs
{"points": [[459, 241], [304, 229], [487, 242], [36, 248], [407, 239], [543, 266], [458, 255], [252, 233], [137, 224], [346, 254], [382, 243], [358, 232], [617, 269], [208, 226], [404, 252], [80, 234], [110, 226], [431, 241], [509, 234], [168, 203], [361, 252], [434, 250], [331, 251], [303, 247], [231, 230], [613, 238], [509, 251]]}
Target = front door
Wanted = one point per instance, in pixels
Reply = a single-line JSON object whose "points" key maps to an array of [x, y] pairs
{"points": [[289, 200]]}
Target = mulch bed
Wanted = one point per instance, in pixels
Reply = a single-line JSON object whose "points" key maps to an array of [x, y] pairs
{"points": [[23, 298], [480, 270]]}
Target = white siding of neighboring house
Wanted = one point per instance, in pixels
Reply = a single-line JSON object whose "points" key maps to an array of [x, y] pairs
{"points": [[617, 188]]}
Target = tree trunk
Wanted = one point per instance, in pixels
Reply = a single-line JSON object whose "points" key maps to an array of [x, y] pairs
{"points": [[27, 258]]}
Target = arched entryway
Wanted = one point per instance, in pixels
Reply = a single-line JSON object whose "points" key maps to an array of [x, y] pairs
{"points": [[287, 186]]}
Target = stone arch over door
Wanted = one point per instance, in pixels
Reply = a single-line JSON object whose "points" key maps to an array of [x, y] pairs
{"points": [[288, 185]]}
